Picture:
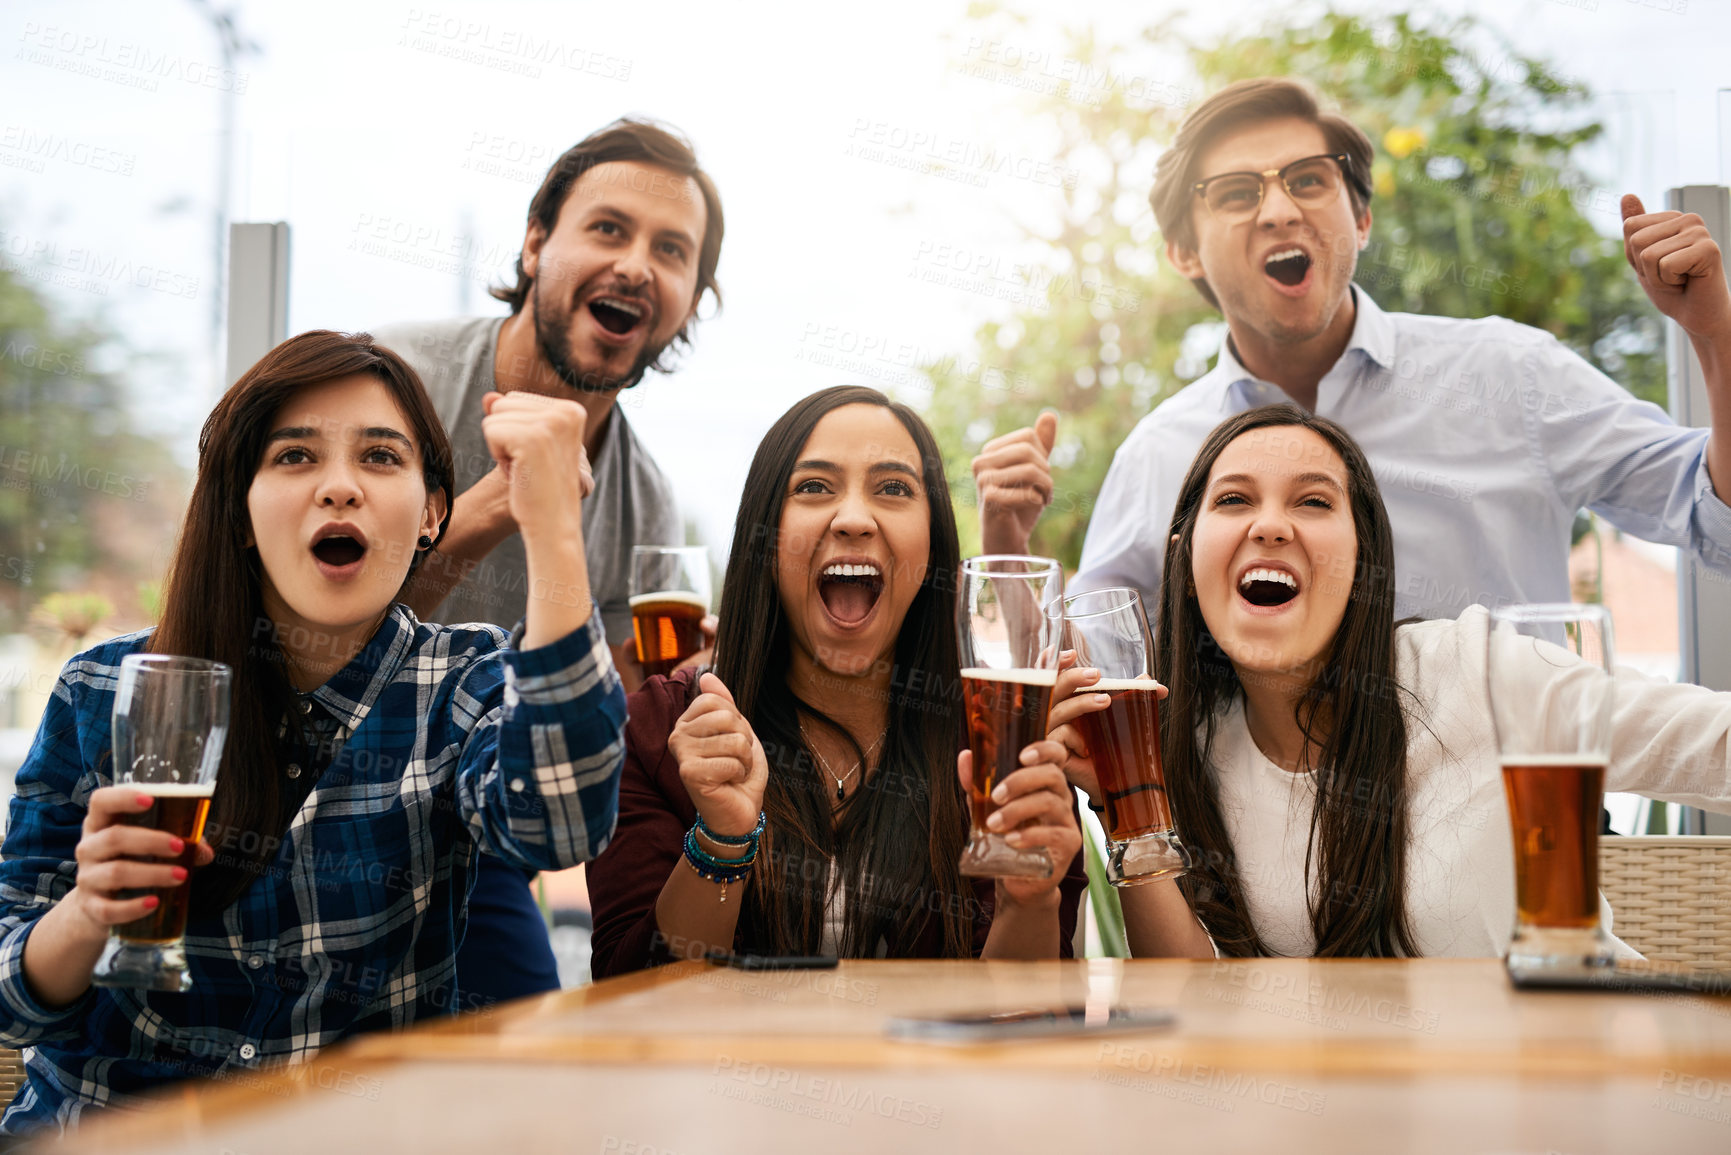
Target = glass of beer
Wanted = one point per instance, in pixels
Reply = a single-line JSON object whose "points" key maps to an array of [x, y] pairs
{"points": [[1108, 631], [170, 722], [1548, 672], [1010, 619], [669, 600]]}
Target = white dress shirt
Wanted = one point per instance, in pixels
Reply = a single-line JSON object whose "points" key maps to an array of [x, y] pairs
{"points": [[1670, 741], [1485, 437]]}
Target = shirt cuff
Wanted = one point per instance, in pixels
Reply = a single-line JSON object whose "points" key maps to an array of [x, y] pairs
{"points": [[1714, 516], [32, 1019], [561, 670]]}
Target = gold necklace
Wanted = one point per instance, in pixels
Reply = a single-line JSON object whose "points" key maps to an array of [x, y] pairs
{"points": [[841, 781]]}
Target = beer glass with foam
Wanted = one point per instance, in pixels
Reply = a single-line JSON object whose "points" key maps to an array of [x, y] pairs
{"points": [[1010, 618], [1548, 673], [1109, 631], [669, 600], [170, 722]]}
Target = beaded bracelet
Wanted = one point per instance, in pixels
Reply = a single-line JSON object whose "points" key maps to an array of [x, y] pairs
{"points": [[695, 850], [732, 839], [718, 870]]}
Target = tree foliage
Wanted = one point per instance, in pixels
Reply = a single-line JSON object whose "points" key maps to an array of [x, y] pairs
{"points": [[84, 500], [1482, 207]]}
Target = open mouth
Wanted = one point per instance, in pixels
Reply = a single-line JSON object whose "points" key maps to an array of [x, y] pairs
{"points": [[1288, 266], [339, 550], [850, 592], [616, 314], [1268, 587]]}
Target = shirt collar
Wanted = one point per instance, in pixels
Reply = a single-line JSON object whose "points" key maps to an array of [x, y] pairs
{"points": [[1372, 334], [352, 690]]}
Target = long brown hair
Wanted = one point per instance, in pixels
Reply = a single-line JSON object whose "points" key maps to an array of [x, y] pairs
{"points": [[1353, 716], [212, 602], [900, 839]]}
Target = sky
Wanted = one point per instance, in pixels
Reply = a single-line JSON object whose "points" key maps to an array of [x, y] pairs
{"points": [[402, 144]]}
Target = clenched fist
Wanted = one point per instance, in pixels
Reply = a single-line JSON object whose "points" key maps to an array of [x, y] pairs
{"points": [[720, 760]]}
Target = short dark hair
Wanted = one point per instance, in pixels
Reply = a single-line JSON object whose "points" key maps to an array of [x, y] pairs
{"points": [[1233, 107], [643, 142]]}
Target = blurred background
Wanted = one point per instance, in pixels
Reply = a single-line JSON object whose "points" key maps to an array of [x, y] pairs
{"points": [[947, 200]]}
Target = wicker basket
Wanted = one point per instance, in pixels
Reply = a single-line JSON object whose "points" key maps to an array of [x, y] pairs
{"points": [[11, 1075], [1671, 897]]}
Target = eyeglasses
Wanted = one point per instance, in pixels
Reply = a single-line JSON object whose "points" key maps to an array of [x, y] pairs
{"points": [[1236, 196]]}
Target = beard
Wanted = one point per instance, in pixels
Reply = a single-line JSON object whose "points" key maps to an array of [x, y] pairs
{"points": [[553, 336]]}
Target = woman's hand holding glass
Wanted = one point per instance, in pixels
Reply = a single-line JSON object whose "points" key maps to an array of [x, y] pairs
{"points": [[1069, 704], [1035, 810], [721, 762], [114, 858]]}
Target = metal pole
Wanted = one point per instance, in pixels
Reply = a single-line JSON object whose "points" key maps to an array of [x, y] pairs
{"points": [[232, 46], [1703, 597], [258, 281]]}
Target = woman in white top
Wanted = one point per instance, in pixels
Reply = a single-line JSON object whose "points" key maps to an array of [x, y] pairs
{"points": [[1335, 773]]}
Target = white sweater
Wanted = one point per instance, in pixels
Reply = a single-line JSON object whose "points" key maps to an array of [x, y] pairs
{"points": [[1671, 742]]}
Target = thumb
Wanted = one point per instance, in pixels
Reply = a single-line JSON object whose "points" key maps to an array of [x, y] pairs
{"points": [[1632, 206], [710, 684], [490, 399], [1046, 429], [965, 769], [204, 855]]}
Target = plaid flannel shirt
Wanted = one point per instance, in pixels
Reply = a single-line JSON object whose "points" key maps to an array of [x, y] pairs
{"points": [[455, 741]]}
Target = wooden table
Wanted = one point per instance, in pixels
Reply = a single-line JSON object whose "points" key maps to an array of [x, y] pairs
{"points": [[1431, 1055]]}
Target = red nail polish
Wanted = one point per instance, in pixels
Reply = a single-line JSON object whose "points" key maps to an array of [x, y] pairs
{"points": [[145, 800], [151, 902], [180, 874], [177, 845]]}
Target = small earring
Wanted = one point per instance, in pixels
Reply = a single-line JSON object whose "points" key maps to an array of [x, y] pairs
{"points": [[425, 542]]}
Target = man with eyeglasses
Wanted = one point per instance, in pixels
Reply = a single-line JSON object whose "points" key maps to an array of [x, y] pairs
{"points": [[1486, 435]]}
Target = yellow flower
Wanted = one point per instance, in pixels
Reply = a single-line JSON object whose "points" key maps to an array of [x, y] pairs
{"points": [[1403, 142], [1382, 179]]}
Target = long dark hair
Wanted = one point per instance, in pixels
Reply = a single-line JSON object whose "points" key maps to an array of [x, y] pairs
{"points": [[900, 837], [212, 604], [1352, 715]]}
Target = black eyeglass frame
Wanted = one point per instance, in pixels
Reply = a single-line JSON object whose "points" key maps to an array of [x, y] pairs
{"points": [[1340, 158]]}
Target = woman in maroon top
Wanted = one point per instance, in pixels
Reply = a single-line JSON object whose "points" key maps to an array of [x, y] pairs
{"points": [[803, 797]]}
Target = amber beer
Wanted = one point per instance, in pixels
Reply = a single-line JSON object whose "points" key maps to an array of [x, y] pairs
{"points": [[1006, 714], [180, 809], [1554, 804], [669, 628], [1124, 742]]}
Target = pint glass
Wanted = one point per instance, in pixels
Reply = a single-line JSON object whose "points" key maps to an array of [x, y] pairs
{"points": [[1548, 672], [170, 721], [669, 600], [1010, 618], [1109, 632]]}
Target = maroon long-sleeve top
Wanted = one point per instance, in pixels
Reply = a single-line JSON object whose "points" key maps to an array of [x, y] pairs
{"points": [[655, 811]]}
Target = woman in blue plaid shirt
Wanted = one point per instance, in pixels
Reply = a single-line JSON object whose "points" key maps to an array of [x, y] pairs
{"points": [[369, 755]]}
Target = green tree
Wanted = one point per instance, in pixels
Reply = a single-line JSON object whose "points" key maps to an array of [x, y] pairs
{"points": [[85, 502], [1481, 207]]}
